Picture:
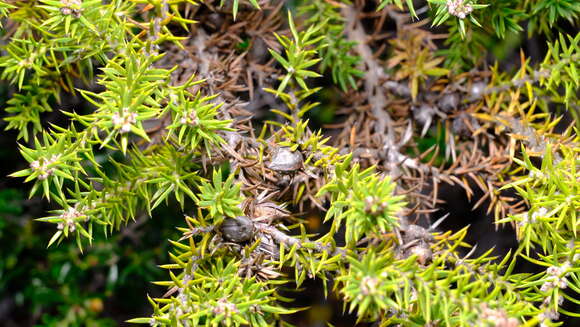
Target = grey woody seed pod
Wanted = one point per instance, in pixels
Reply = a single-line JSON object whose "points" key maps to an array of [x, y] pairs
{"points": [[415, 232], [237, 230], [423, 252], [285, 161], [423, 114], [448, 102], [477, 89], [259, 51]]}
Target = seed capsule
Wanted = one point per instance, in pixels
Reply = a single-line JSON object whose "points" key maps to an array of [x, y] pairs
{"points": [[285, 161], [448, 102], [259, 51], [215, 21], [415, 232], [237, 230], [233, 139], [423, 253], [423, 114], [477, 89], [460, 127]]}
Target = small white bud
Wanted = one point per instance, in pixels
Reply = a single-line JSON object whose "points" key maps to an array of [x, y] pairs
{"points": [[126, 128]]}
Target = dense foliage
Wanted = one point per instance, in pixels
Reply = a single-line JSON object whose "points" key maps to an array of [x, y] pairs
{"points": [[249, 118]]}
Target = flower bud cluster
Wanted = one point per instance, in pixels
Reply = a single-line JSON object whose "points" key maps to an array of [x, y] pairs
{"points": [[190, 118], [225, 307], [459, 8], [71, 7], [374, 206], [182, 296], [369, 285], [41, 165], [497, 317], [547, 316], [69, 218], [533, 217], [548, 300], [556, 277], [536, 175], [124, 120], [183, 305]]}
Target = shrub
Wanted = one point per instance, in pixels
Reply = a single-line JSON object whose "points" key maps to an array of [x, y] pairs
{"points": [[247, 116]]}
